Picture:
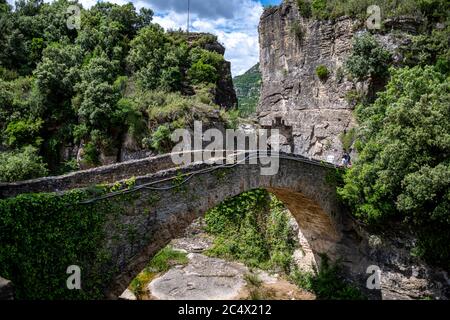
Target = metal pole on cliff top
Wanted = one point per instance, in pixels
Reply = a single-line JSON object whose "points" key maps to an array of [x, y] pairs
{"points": [[188, 15]]}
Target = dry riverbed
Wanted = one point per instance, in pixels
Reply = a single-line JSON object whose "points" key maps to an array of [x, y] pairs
{"points": [[201, 277]]}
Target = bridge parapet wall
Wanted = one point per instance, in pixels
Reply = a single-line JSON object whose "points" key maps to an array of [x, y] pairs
{"points": [[81, 179]]}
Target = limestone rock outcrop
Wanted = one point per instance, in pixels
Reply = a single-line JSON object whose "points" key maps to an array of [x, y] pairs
{"points": [[291, 49], [318, 110]]}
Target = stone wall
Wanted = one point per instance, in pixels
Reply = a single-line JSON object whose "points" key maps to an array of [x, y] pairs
{"points": [[84, 178]]}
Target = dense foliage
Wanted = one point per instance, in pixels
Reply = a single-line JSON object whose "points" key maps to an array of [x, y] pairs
{"points": [[248, 87], [368, 59], [42, 234], [21, 165], [61, 89], [433, 10], [403, 167], [253, 228]]}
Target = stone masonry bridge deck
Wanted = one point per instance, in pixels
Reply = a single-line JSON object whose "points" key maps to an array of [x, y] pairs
{"points": [[161, 209]]}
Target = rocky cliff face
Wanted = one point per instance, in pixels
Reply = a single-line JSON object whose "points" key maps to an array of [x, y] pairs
{"points": [[291, 49], [224, 94]]}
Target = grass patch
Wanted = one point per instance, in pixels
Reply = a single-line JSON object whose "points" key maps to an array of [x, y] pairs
{"points": [[167, 258], [161, 262], [327, 283], [347, 139], [139, 284]]}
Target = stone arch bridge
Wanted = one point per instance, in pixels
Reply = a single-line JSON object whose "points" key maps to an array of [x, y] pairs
{"points": [[162, 209]]}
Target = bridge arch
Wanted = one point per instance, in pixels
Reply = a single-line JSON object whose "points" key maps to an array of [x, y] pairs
{"points": [[165, 200], [161, 213]]}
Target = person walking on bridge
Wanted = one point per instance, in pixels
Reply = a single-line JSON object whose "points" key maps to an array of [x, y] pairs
{"points": [[346, 160]]}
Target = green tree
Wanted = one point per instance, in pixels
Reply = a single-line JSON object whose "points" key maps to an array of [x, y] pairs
{"points": [[21, 165], [368, 58], [403, 169], [201, 72], [149, 46], [97, 97], [23, 132]]}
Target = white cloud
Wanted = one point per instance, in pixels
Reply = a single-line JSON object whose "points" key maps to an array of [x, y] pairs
{"points": [[239, 34]]}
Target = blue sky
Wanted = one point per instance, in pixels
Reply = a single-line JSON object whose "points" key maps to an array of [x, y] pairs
{"points": [[235, 22], [270, 2]]}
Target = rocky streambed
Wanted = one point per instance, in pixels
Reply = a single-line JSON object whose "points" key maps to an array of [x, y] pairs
{"points": [[201, 277]]}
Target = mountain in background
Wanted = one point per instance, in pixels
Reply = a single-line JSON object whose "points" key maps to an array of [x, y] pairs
{"points": [[248, 87]]}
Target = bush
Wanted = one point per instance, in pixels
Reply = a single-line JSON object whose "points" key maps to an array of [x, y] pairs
{"points": [[165, 107], [205, 66], [368, 58], [160, 140], [21, 165], [23, 132], [327, 283], [91, 154], [231, 118], [201, 72], [253, 228], [353, 97], [322, 72], [131, 116], [304, 7], [80, 132], [205, 40]]}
